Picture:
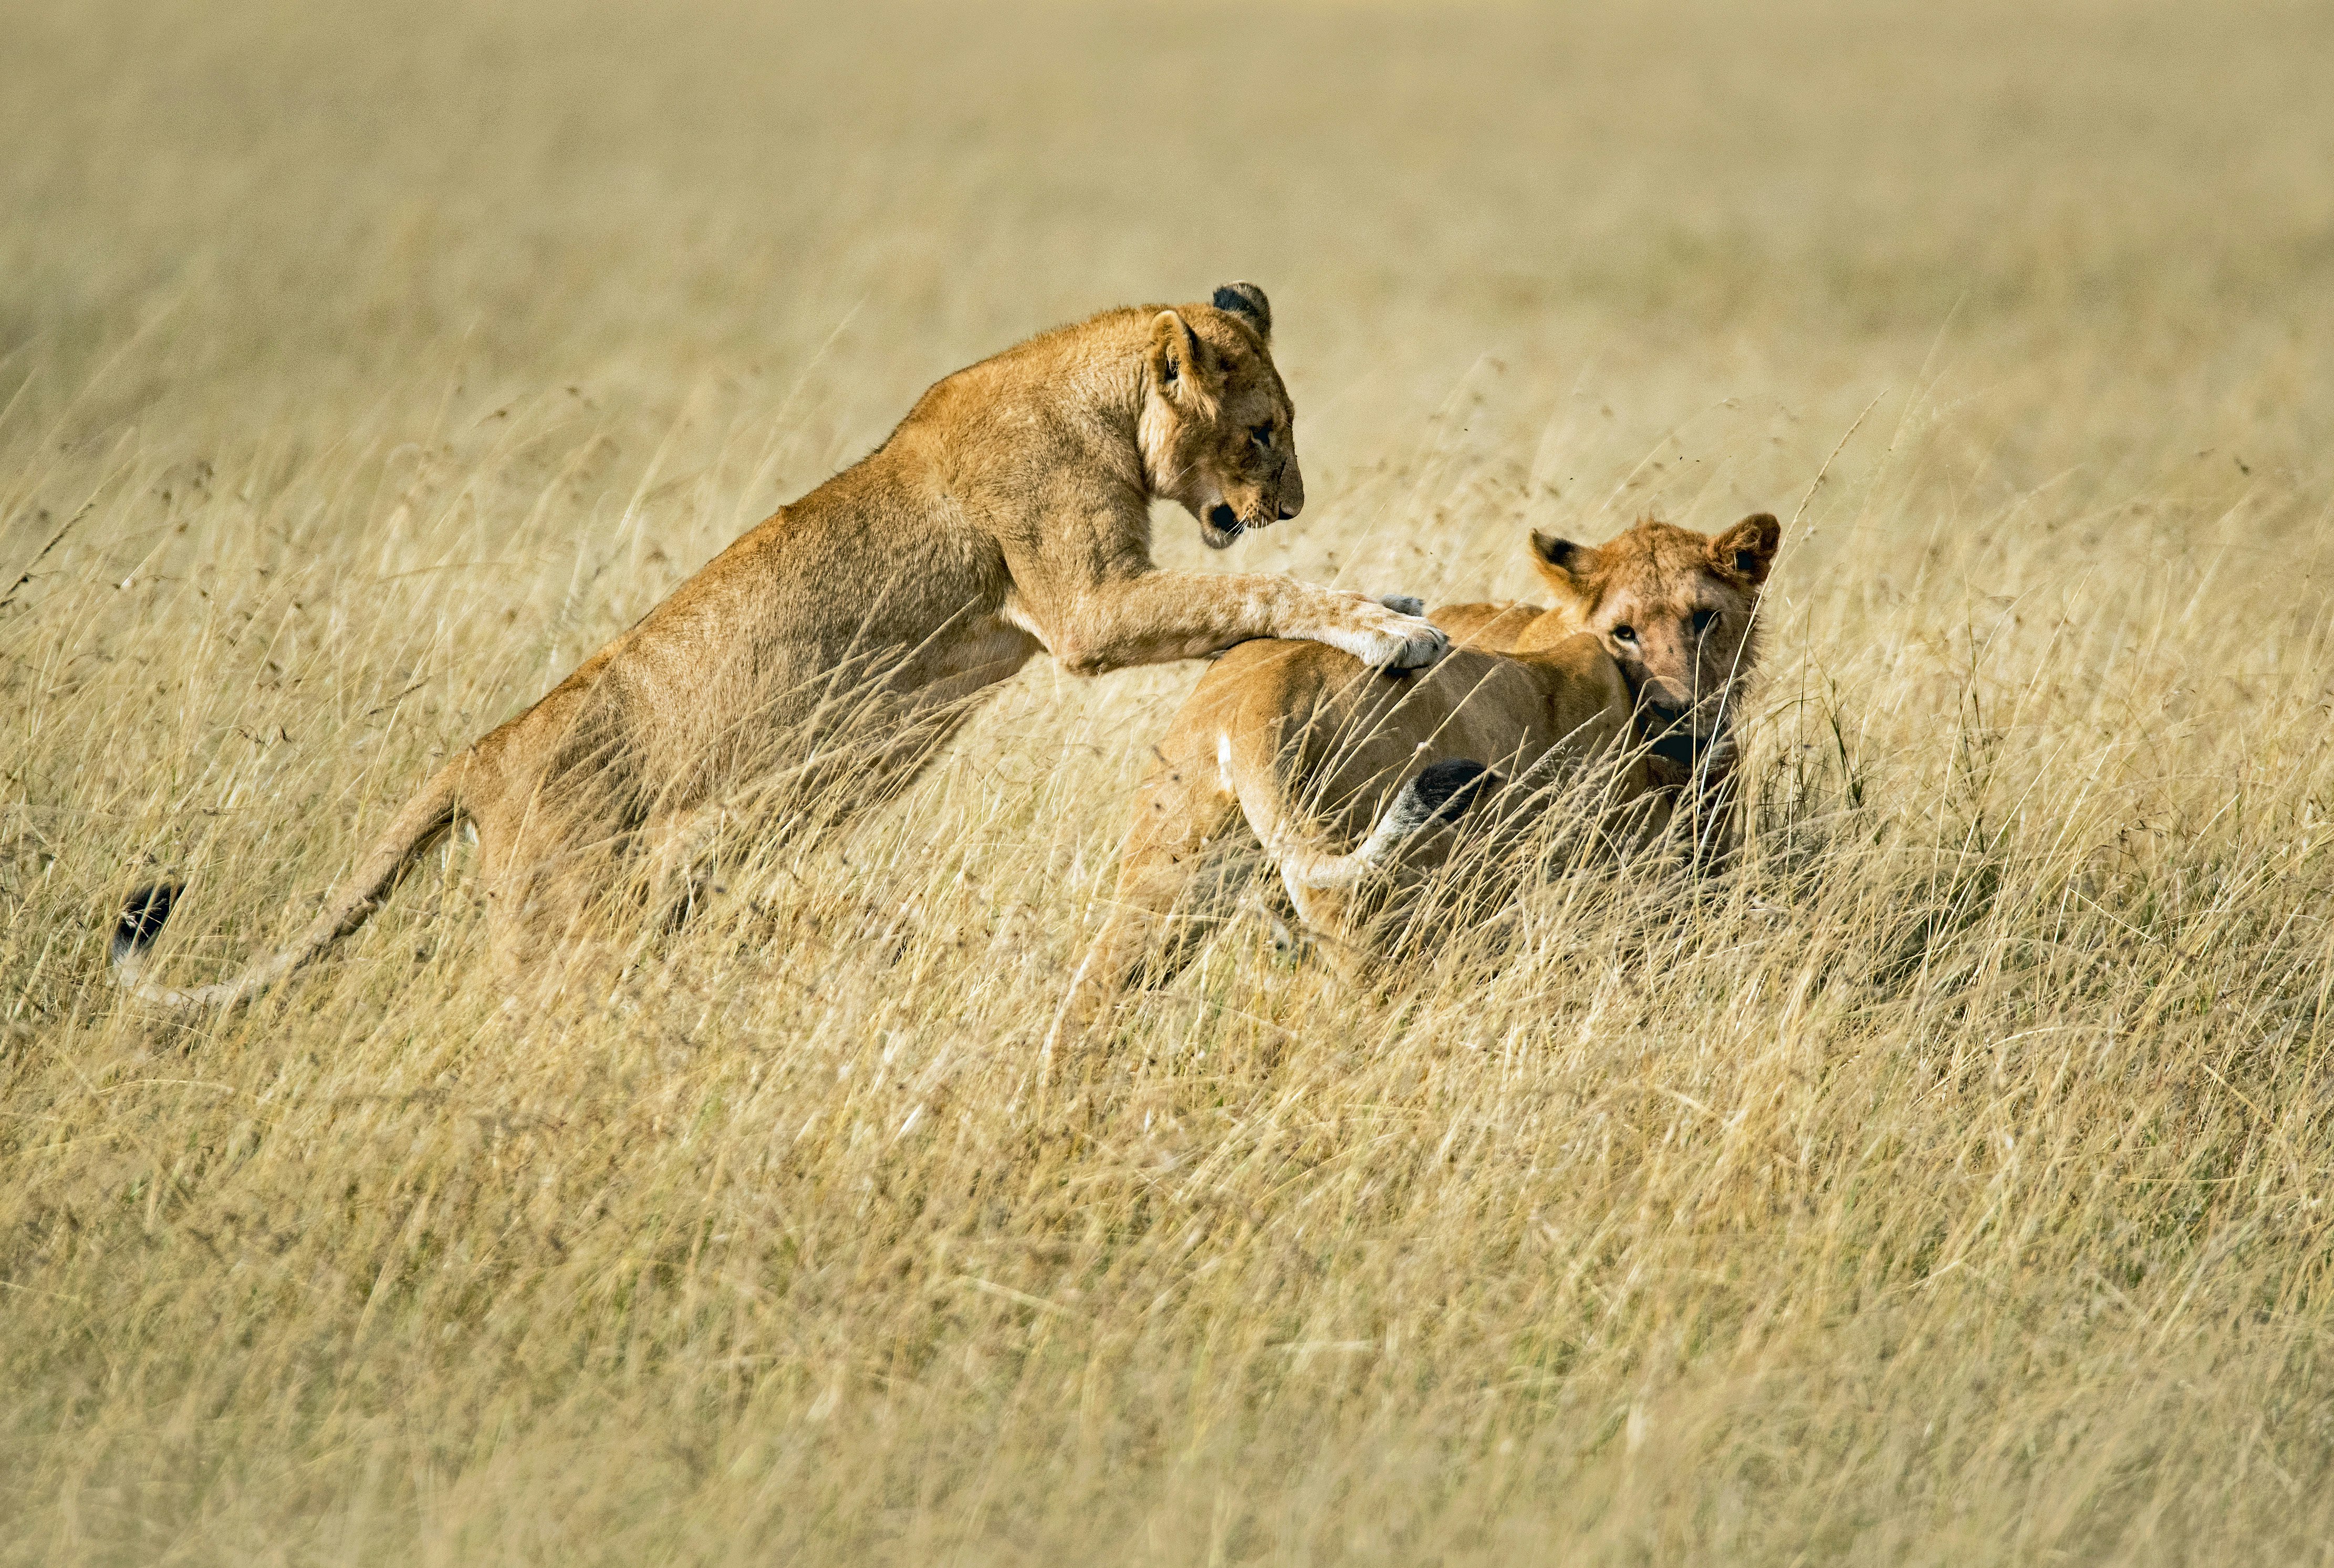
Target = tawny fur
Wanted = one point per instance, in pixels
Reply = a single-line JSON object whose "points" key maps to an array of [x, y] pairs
{"points": [[843, 638], [1305, 749]]}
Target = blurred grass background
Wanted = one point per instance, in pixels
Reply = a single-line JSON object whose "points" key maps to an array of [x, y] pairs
{"points": [[1945, 1185]]}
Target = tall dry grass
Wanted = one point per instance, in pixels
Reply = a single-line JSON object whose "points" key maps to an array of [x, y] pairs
{"points": [[1946, 1184]]}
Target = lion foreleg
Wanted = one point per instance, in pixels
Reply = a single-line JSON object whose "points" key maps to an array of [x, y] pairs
{"points": [[1164, 616]]}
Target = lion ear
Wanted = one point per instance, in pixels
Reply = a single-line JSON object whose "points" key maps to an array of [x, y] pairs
{"points": [[1178, 362], [1247, 301], [1565, 566], [1747, 549]]}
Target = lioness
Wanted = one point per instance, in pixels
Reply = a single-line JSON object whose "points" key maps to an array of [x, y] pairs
{"points": [[1640, 661], [841, 638]]}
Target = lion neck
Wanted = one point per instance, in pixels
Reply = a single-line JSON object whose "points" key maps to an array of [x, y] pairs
{"points": [[1065, 405]]}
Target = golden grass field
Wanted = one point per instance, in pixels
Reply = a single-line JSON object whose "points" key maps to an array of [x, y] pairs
{"points": [[1948, 1182]]}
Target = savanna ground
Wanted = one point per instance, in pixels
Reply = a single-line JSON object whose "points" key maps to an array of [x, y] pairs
{"points": [[1948, 1183]]}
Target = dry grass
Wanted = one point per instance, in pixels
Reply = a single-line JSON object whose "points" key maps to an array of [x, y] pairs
{"points": [[1948, 1184]]}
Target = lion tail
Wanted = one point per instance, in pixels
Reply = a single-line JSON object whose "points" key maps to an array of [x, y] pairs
{"points": [[1435, 798], [424, 819]]}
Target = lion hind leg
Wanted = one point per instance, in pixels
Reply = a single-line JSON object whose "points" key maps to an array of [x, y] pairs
{"points": [[1332, 917], [1178, 812]]}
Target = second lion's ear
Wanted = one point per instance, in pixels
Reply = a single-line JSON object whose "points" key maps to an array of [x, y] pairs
{"points": [[1247, 301], [1747, 549], [1179, 361], [1565, 566]]}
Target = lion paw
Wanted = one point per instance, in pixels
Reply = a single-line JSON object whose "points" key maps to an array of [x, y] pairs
{"points": [[1389, 640], [1421, 647]]}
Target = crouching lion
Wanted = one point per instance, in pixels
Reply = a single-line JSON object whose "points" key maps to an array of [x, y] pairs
{"points": [[1639, 665], [837, 644]]}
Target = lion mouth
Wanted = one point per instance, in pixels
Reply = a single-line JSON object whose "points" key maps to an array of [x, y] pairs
{"points": [[1224, 525], [1677, 746], [1669, 733]]}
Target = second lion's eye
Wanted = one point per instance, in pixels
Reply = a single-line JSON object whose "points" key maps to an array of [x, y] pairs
{"points": [[1262, 435], [1704, 620], [1626, 632]]}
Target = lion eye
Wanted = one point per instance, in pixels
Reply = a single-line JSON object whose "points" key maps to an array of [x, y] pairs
{"points": [[1704, 620], [1626, 632], [1262, 435]]}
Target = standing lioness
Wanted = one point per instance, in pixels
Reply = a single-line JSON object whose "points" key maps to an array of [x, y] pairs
{"points": [[1010, 512]]}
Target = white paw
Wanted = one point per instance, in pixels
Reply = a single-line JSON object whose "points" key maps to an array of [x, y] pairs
{"points": [[1421, 647], [1387, 639], [1403, 604]]}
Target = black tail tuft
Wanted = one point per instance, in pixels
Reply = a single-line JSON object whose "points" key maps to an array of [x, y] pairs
{"points": [[1438, 797], [141, 918], [1447, 789]]}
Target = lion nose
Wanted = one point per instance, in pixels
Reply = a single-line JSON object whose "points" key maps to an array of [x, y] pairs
{"points": [[1664, 714], [1288, 509]]}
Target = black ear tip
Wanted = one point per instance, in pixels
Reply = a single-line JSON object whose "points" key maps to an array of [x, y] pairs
{"points": [[142, 917], [1245, 299], [1555, 551]]}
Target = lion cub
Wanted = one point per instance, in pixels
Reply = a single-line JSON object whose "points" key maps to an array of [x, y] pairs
{"points": [[1638, 665], [826, 654]]}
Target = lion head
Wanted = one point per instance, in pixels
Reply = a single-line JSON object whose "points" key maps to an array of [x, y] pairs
{"points": [[1218, 432], [1678, 612]]}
